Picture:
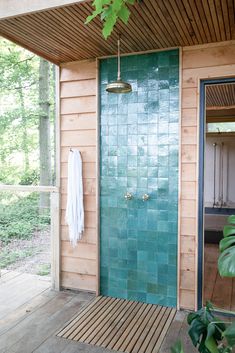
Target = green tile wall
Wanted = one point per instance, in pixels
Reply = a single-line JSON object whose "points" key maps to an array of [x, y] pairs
{"points": [[139, 154]]}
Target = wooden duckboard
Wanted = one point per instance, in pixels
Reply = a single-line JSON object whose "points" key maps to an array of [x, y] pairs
{"points": [[121, 325]]}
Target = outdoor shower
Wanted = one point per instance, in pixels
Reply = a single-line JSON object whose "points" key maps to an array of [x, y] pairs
{"points": [[220, 174]]}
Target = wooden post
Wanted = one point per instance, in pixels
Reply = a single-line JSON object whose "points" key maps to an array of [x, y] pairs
{"points": [[55, 241]]}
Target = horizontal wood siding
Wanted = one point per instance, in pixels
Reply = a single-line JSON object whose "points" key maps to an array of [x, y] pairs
{"points": [[78, 130], [197, 63]]}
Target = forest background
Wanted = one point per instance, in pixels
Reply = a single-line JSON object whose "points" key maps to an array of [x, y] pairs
{"points": [[27, 146]]}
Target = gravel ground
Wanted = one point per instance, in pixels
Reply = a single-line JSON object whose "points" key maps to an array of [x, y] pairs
{"points": [[39, 246]]}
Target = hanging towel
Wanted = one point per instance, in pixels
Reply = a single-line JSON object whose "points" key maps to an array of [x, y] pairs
{"points": [[74, 216]]}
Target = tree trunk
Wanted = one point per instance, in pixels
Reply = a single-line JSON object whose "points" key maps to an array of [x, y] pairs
{"points": [[25, 133], [44, 131]]}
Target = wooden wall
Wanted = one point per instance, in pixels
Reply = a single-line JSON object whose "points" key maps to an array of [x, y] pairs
{"points": [[78, 130], [199, 62]]}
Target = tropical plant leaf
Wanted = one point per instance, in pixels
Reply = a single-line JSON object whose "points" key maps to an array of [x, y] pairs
{"points": [[197, 328], [229, 230], [231, 219], [229, 334], [177, 348], [226, 243], [191, 317], [210, 341], [226, 262]]}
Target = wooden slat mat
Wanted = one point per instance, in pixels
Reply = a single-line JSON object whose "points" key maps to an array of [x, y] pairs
{"points": [[121, 325]]}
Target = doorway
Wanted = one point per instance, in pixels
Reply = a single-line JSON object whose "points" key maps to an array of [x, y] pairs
{"points": [[216, 188]]}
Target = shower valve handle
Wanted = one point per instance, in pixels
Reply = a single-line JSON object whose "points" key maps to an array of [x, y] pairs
{"points": [[145, 197], [128, 196]]}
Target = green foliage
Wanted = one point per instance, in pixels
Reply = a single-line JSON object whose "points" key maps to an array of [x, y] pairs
{"points": [[229, 334], [8, 257], [231, 219], [30, 177], [19, 114], [226, 261], [44, 270], [205, 330], [208, 333], [110, 11], [20, 216]]}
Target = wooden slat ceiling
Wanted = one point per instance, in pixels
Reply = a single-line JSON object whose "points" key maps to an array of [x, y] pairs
{"points": [[220, 96], [60, 34]]}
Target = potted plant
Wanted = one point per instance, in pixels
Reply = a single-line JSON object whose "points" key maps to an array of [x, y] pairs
{"points": [[207, 332]]}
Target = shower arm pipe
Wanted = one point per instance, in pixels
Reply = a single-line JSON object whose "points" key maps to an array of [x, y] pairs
{"points": [[119, 62]]}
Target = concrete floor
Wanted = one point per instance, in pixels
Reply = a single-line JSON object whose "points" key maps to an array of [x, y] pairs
{"points": [[31, 316]]}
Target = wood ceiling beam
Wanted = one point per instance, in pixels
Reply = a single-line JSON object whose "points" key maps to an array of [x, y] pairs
{"points": [[14, 8]]}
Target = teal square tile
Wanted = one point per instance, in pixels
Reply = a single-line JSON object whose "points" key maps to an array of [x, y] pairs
{"points": [[139, 154]]}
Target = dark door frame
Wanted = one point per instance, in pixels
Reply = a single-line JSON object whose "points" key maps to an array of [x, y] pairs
{"points": [[203, 84]]}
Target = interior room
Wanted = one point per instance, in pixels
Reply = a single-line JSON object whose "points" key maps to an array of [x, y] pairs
{"points": [[219, 188]]}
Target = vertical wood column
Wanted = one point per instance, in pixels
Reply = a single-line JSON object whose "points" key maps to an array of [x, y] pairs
{"points": [[78, 130], [199, 62]]}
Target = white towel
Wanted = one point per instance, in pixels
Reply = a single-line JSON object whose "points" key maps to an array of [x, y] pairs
{"points": [[74, 216]]}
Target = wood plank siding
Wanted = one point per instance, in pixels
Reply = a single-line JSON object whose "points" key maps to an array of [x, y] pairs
{"points": [[78, 130], [197, 63]]}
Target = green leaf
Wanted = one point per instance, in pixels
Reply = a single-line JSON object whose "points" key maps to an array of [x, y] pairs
{"points": [[229, 230], [130, 2], [231, 219], [109, 24], [124, 14], [107, 12], [226, 243], [210, 341], [116, 6], [98, 4], [191, 317], [177, 348], [91, 17], [197, 328], [229, 334], [226, 262]]}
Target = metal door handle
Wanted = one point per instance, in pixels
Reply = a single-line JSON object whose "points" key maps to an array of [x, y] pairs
{"points": [[145, 197]]}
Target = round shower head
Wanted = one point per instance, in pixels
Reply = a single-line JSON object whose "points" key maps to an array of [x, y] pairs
{"points": [[119, 86]]}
